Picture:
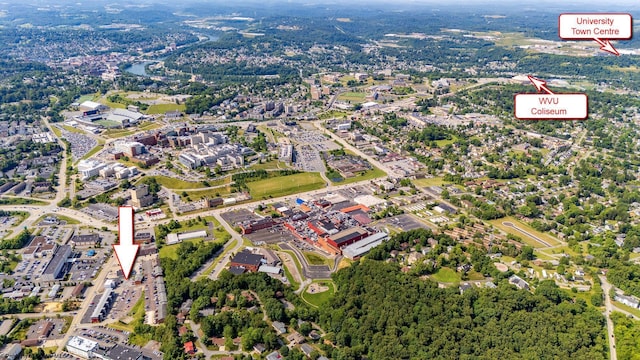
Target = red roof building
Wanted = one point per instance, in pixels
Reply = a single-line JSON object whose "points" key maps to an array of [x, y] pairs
{"points": [[189, 348]]}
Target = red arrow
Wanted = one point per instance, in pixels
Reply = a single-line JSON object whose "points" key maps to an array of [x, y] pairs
{"points": [[606, 46], [539, 84], [126, 251]]}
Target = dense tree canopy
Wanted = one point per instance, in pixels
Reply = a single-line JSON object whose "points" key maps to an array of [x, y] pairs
{"points": [[380, 313]]}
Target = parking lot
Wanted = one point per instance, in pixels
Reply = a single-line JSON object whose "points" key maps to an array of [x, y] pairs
{"points": [[238, 216], [85, 269], [125, 300], [80, 144], [36, 330], [271, 236], [404, 222], [57, 233]]}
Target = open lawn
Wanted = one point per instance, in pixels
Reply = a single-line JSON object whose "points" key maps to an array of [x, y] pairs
{"points": [[56, 130], [294, 284], [446, 275], [443, 143], [20, 201], [69, 220], [434, 181], [273, 164], [91, 152], [117, 133], [367, 175], [177, 184], [88, 97], [118, 325], [352, 96], [109, 124], [527, 239], [285, 185], [318, 299], [624, 307], [333, 114], [163, 108], [209, 193], [474, 275], [315, 259], [149, 125], [72, 129], [169, 251]]}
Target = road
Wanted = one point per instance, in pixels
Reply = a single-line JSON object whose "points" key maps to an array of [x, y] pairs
{"points": [[236, 242], [606, 288], [109, 266], [357, 151]]}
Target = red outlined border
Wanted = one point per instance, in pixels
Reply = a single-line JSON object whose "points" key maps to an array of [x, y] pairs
{"points": [[552, 119], [608, 38]]}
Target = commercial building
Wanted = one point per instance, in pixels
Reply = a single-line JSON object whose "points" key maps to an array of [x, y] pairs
{"points": [[286, 153], [54, 268], [11, 352], [347, 237], [92, 106], [82, 347], [247, 260], [359, 248], [140, 196], [251, 226], [90, 168], [80, 241], [103, 305], [129, 148]]}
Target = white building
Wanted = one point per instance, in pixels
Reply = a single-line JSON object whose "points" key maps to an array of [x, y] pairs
{"points": [[11, 352], [81, 346], [90, 168], [286, 153], [92, 106], [129, 148]]}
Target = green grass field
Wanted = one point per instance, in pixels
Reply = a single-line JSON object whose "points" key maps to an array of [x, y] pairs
{"points": [[149, 126], [315, 259], [434, 181], [163, 108], [318, 299], [69, 220], [446, 275], [117, 133], [352, 96], [108, 123], [20, 201], [210, 193], [333, 114], [177, 184], [368, 175], [273, 164], [624, 307], [91, 152], [169, 251], [528, 240], [88, 97], [294, 284], [72, 129], [443, 143], [285, 185]]}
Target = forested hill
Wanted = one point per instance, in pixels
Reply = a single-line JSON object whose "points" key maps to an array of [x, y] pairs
{"points": [[379, 312]]}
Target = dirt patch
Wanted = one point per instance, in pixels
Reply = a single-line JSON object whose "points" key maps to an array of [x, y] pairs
{"points": [[316, 288], [52, 307]]}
